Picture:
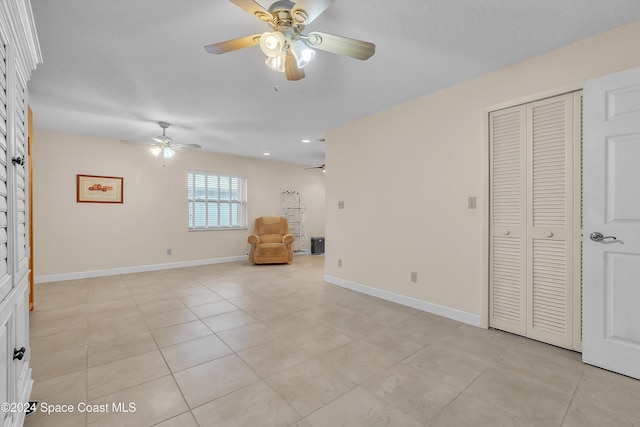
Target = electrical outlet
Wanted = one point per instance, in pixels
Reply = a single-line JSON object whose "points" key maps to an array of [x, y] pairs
{"points": [[339, 262], [414, 277], [169, 251], [341, 204], [472, 202]]}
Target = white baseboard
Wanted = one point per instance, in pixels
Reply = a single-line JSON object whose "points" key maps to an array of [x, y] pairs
{"points": [[135, 269], [440, 310]]}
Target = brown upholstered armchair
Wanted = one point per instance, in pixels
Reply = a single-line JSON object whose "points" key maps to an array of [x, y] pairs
{"points": [[271, 242]]}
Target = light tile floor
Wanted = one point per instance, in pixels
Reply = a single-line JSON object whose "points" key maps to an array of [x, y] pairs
{"points": [[242, 345]]}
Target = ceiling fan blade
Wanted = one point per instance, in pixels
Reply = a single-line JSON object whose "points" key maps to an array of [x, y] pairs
{"points": [[163, 139], [305, 11], [235, 44], [253, 8], [291, 68], [129, 141], [357, 49], [189, 146]]}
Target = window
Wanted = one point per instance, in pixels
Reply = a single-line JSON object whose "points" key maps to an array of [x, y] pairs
{"points": [[217, 201]]}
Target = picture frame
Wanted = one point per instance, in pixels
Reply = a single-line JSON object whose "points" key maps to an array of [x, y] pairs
{"points": [[99, 189]]}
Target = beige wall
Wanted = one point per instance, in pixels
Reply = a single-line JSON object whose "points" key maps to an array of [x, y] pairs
{"points": [[405, 175], [73, 238]]}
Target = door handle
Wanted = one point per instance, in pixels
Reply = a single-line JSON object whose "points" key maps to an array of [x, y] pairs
{"points": [[596, 236], [18, 353]]}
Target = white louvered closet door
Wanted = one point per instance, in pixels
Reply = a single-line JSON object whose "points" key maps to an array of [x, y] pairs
{"points": [[6, 280], [535, 197], [20, 172], [550, 220], [508, 220]]}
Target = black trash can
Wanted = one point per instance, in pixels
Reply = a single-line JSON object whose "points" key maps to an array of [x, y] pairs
{"points": [[317, 245]]}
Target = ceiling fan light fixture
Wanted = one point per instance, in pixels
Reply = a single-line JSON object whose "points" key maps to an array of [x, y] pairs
{"points": [[168, 152], [301, 17], [276, 63], [302, 53], [156, 150], [272, 44]]}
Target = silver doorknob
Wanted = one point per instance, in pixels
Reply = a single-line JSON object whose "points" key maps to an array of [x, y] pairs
{"points": [[596, 236]]}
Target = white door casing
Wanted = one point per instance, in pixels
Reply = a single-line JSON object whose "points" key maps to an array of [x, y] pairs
{"points": [[611, 328]]}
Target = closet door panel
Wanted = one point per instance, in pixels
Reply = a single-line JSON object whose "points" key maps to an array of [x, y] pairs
{"points": [[508, 225], [549, 229], [6, 280], [19, 173], [19, 54], [6, 356], [22, 373]]}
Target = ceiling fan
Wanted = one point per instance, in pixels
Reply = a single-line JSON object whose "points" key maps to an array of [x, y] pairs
{"points": [[164, 144], [286, 47], [322, 166], [318, 167]]}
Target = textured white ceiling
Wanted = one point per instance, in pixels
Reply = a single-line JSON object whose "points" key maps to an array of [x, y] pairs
{"points": [[114, 68]]}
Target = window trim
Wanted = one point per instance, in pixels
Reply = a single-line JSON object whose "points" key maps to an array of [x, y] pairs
{"points": [[241, 201]]}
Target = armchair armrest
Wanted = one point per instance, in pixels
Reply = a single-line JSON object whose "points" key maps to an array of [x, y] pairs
{"points": [[253, 239], [287, 238]]}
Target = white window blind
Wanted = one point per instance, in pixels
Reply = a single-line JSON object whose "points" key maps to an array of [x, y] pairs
{"points": [[216, 201]]}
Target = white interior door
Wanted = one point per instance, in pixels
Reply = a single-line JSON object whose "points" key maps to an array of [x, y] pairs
{"points": [[611, 328]]}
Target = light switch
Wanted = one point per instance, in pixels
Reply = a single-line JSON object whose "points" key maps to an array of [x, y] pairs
{"points": [[341, 204]]}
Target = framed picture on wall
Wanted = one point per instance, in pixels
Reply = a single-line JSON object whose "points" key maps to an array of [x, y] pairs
{"points": [[99, 189]]}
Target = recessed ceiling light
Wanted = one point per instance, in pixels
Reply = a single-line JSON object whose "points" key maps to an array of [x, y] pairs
{"points": [[266, 154], [306, 141]]}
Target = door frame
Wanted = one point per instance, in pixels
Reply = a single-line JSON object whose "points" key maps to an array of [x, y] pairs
{"points": [[30, 205]]}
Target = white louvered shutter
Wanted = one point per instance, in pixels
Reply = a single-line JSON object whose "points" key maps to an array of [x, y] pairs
{"points": [[508, 221], [5, 278], [216, 201], [550, 220], [20, 172]]}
